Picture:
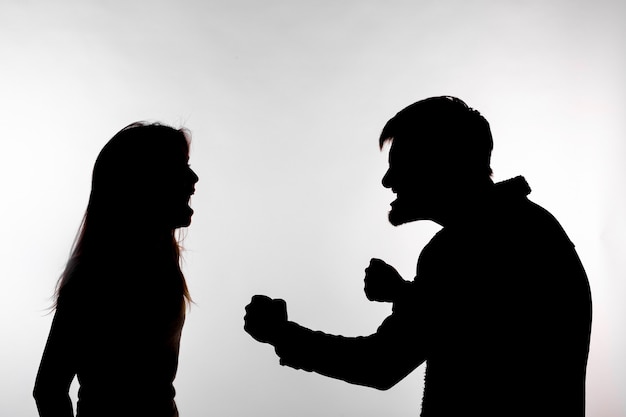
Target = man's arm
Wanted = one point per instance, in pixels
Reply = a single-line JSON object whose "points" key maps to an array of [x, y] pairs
{"points": [[380, 360]]}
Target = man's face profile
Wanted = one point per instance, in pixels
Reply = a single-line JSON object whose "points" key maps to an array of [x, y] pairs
{"points": [[413, 178]]}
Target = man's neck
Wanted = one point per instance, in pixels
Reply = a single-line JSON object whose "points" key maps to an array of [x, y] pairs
{"points": [[467, 205]]}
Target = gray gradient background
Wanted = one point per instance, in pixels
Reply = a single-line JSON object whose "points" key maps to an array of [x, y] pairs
{"points": [[285, 100]]}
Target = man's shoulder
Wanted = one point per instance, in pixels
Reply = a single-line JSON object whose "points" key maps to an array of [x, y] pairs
{"points": [[512, 225], [526, 219]]}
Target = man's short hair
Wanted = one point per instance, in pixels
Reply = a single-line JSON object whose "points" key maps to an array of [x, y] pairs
{"points": [[448, 129]]}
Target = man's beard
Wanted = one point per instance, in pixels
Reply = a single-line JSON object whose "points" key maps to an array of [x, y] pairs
{"points": [[401, 214]]}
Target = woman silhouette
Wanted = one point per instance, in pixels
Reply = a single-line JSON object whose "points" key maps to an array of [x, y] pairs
{"points": [[120, 303]]}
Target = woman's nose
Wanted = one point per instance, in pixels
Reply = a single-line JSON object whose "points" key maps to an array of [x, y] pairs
{"points": [[386, 181]]}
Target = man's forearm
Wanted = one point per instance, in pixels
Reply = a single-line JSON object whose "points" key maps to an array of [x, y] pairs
{"points": [[369, 360]]}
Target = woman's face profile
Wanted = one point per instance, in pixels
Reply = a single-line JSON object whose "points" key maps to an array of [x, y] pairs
{"points": [[175, 191], [181, 217]]}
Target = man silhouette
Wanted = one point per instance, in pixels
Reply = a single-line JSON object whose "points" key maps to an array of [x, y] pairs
{"points": [[500, 308]]}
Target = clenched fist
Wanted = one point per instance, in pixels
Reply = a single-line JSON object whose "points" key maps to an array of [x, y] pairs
{"points": [[382, 282], [265, 318]]}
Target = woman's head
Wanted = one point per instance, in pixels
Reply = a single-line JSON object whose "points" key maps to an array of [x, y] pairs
{"points": [[141, 186], [142, 179]]}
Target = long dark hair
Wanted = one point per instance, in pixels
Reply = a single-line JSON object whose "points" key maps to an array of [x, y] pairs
{"points": [[126, 177]]}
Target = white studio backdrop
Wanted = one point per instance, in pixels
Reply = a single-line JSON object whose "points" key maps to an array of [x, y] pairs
{"points": [[285, 100]]}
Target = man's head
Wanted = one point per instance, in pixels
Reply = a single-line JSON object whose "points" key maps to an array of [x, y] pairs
{"points": [[440, 155]]}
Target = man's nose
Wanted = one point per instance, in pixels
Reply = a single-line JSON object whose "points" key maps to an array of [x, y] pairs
{"points": [[194, 176]]}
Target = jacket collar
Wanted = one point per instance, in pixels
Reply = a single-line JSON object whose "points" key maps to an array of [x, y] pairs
{"points": [[514, 187]]}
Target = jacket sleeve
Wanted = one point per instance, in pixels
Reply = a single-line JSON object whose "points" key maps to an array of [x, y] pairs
{"points": [[379, 360], [57, 367]]}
